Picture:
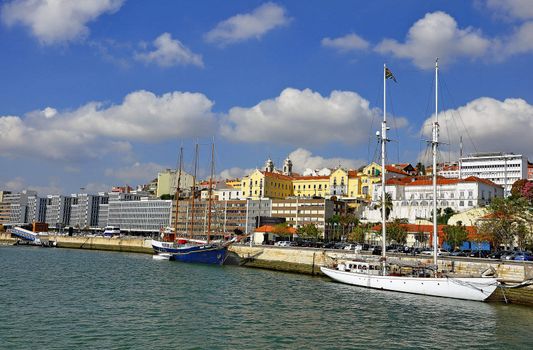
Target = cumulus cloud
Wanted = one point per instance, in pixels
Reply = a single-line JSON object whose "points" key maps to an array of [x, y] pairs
{"points": [[437, 35], [349, 42], [135, 172], [519, 9], [19, 184], [170, 52], [304, 117], [234, 173], [521, 41], [242, 27], [488, 119], [303, 159], [57, 21], [94, 129]]}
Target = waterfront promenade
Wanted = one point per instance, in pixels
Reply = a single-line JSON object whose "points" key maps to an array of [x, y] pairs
{"points": [[308, 260]]}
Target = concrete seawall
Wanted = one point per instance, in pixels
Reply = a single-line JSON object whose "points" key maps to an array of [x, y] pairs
{"points": [[308, 261]]}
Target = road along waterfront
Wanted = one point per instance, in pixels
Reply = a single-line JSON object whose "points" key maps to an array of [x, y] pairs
{"points": [[72, 298]]}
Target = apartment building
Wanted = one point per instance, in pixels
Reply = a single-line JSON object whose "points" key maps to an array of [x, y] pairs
{"points": [[501, 168], [412, 198]]}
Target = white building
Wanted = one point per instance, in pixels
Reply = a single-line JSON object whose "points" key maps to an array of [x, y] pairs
{"points": [[501, 168], [138, 215], [412, 198], [84, 211], [36, 209], [58, 211]]}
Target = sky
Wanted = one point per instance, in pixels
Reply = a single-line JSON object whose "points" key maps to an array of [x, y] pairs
{"points": [[102, 93]]}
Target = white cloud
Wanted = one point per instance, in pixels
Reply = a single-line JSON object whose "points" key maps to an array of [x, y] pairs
{"points": [[304, 117], [521, 41], [170, 52], [135, 172], [509, 122], [19, 184], [349, 42], [93, 130], [234, 173], [437, 35], [56, 21], [242, 27], [303, 159], [520, 9]]}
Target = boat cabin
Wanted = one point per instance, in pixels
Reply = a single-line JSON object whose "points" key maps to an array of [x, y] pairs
{"points": [[360, 267]]}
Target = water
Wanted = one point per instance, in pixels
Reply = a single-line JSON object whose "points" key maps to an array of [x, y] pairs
{"points": [[77, 299]]}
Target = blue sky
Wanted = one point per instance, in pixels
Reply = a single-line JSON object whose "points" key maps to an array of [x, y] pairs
{"points": [[100, 93]]}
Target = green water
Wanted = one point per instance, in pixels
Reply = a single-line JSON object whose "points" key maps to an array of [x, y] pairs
{"points": [[77, 299]]}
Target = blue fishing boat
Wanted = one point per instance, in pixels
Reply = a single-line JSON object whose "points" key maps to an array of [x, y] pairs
{"points": [[187, 249]]}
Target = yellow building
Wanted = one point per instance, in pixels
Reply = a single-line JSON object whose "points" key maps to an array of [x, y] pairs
{"points": [[310, 186], [234, 183], [260, 184], [167, 181]]}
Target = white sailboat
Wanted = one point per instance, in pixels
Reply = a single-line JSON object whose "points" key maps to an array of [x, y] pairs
{"points": [[377, 276]]}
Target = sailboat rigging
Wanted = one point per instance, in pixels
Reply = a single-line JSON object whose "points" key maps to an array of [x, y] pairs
{"points": [[188, 249], [366, 274]]}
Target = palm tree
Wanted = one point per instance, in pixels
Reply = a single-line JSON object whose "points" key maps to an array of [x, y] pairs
{"points": [[388, 205]]}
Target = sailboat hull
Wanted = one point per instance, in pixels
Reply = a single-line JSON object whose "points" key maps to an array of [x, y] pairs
{"points": [[477, 289], [202, 254]]}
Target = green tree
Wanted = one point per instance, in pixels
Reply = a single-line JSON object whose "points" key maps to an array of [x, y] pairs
{"points": [[167, 196], [420, 169], [309, 231], [455, 235], [348, 222], [333, 226], [358, 234], [396, 232], [509, 220], [388, 205]]}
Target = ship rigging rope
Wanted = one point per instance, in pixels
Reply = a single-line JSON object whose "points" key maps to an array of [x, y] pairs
{"points": [[525, 283], [473, 285]]}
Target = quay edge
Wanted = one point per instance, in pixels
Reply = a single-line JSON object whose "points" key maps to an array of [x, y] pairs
{"points": [[308, 261]]}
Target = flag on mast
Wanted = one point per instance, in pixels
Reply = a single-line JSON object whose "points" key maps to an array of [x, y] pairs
{"points": [[389, 75]]}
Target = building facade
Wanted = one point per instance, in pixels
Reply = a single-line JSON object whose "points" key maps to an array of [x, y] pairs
{"points": [[167, 182], [58, 211], [501, 168], [412, 198]]}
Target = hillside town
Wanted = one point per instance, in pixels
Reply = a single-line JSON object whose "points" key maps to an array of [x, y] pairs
{"points": [[324, 203]]}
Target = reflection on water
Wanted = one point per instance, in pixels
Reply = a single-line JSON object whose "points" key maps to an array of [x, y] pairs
{"points": [[61, 298]]}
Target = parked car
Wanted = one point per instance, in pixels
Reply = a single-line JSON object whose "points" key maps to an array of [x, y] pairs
{"points": [[329, 245], [479, 254], [376, 250], [498, 254], [440, 252], [354, 247], [458, 253], [283, 243], [508, 256], [523, 256]]}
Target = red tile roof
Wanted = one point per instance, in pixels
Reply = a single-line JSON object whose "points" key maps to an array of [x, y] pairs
{"points": [[310, 177], [276, 175], [270, 228]]}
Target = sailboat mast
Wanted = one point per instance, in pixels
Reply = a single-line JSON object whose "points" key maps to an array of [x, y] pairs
{"points": [[383, 170], [194, 189], [210, 192], [434, 144], [178, 192]]}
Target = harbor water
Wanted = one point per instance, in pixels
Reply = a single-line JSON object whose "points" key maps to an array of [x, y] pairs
{"points": [[80, 299]]}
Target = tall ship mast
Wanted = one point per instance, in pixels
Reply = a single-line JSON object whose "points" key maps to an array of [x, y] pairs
{"points": [[409, 277]]}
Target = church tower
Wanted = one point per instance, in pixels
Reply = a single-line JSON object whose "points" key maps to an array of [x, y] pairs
{"points": [[269, 166], [287, 167]]}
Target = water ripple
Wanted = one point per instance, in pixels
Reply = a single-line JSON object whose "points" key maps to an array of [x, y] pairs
{"points": [[64, 299]]}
